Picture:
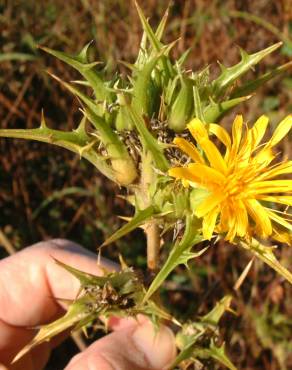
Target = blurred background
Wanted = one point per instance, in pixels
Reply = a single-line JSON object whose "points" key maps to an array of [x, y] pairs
{"points": [[47, 192]]}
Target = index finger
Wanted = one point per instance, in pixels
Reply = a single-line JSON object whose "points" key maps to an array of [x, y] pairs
{"points": [[30, 285], [31, 282]]}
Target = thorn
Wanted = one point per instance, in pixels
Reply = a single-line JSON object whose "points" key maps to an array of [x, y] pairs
{"points": [[43, 121], [81, 126], [54, 76], [244, 55], [222, 67], [124, 218], [87, 147], [243, 275], [123, 263]]}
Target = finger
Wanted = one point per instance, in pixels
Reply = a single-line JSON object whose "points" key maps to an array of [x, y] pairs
{"points": [[31, 282], [30, 285], [137, 347], [119, 323]]}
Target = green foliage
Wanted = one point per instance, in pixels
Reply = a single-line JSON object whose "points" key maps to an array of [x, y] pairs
{"points": [[86, 69], [140, 217], [197, 339], [267, 255], [274, 331], [180, 254], [126, 132], [117, 293]]}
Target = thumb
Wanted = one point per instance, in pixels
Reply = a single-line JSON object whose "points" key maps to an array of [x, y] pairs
{"points": [[138, 347]]}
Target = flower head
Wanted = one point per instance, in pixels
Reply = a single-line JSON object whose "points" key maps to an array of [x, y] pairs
{"points": [[241, 184]]}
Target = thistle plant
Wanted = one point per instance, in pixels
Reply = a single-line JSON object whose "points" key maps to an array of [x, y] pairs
{"points": [[152, 132]]}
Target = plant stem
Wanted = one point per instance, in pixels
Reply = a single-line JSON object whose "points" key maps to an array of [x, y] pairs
{"points": [[151, 228], [153, 244]]}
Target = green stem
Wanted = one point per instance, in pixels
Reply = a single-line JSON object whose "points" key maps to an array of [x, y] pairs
{"points": [[148, 177]]}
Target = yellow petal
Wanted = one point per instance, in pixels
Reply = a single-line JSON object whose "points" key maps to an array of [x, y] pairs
{"points": [[197, 129], [236, 132], [189, 149], [281, 131], [199, 174], [199, 132], [280, 220], [260, 216], [208, 204], [207, 174], [241, 218], [252, 139], [281, 199], [221, 134], [185, 183], [273, 186], [264, 157], [279, 169], [225, 217], [258, 130], [182, 173], [231, 229], [282, 237], [209, 223], [214, 156]]}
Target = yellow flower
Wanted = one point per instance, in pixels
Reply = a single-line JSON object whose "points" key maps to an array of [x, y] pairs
{"points": [[240, 184]]}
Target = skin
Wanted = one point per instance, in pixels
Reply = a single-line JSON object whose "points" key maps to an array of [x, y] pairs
{"points": [[30, 285]]}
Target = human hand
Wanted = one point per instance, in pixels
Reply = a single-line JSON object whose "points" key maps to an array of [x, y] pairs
{"points": [[30, 285]]}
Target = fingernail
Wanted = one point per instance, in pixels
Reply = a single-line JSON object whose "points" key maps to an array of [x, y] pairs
{"points": [[158, 346]]}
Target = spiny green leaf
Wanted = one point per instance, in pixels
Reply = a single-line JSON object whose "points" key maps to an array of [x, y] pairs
{"points": [[142, 54], [229, 75], [82, 57], [123, 119], [180, 254], [148, 141], [188, 338], [85, 309], [97, 108], [83, 145], [266, 255], [155, 41], [198, 104], [215, 111], [140, 217], [217, 353], [251, 86], [182, 107], [161, 27], [169, 91], [183, 57], [148, 30], [186, 352], [76, 312], [217, 312], [144, 90], [85, 69], [122, 164], [152, 309], [84, 277]]}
